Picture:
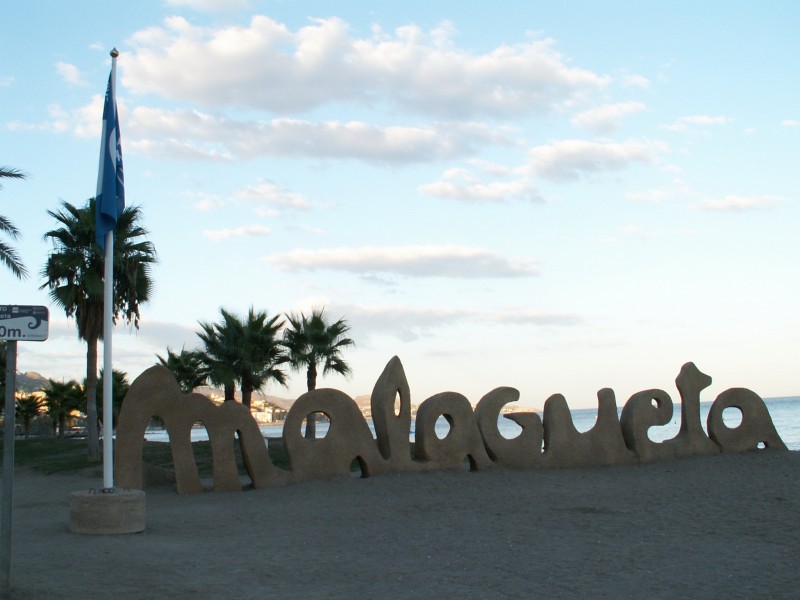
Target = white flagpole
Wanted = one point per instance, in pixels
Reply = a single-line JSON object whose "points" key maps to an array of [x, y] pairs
{"points": [[108, 326]]}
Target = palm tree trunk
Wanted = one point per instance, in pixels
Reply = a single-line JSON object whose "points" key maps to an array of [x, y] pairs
{"points": [[311, 383], [229, 392], [92, 432], [247, 394]]}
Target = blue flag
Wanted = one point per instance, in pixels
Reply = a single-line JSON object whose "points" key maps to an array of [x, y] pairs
{"points": [[110, 197]]}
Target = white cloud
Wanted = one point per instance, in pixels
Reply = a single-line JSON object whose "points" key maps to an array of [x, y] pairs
{"points": [[204, 201], [739, 203], [606, 119], [271, 193], [567, 160], [247, 231], [636, 231], [6, 81], [409, 323], [192, 134], [416, 261], [791, 123], [463, 184], [632, 80], [496, 191], [684, 123], [264, 65], [83, 122], [678, 188], [70, 73], [651, 195], [211, 5]]}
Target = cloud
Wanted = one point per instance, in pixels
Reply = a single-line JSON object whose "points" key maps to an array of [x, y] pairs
{"points": [[70, 73], [684, 123], [568, 160], [247, 231], [211, 5], [651, 195], [496, 191], [632, 80], [413, 261], [678, 188], [791, 123], [472, 186], [195, 135], [204, 201], [6, 81], [739, 203], [271, 193], [606, 119], [410, 323], [83, 122], [266, 66]]}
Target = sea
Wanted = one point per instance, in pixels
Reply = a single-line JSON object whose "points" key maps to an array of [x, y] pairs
{"points": [[785, 413]]}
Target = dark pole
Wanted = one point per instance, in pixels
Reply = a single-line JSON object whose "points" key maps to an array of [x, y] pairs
{"points": [[8, 468]]}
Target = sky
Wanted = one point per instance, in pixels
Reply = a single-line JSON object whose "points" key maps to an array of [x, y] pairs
{"points": [[553, 196]]}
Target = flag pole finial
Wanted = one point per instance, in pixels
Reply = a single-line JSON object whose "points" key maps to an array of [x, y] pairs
{"points": [[114, 53]]}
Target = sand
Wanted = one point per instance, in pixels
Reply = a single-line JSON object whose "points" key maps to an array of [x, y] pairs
{"points": [[701, 527]]}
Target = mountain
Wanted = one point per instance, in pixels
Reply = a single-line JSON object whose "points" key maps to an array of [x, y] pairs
{"points": [[30, 382]]}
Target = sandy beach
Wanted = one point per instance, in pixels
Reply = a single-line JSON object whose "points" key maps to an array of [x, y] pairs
{"points": [[700, 527]]}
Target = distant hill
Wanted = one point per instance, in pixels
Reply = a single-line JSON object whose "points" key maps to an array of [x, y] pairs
{"points": [[33, 381], [30, 382], [284, 403]]}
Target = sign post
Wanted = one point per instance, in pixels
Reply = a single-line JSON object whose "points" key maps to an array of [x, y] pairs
{"points": [[28, 324]]}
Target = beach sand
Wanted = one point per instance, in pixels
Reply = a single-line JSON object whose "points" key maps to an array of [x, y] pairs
{"points": [[701, 527]]}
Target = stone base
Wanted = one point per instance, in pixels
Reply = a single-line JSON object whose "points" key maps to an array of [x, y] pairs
{"points": [[100, 512]]}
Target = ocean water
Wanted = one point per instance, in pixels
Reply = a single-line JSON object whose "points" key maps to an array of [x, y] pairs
{"points": [[785, 413]]}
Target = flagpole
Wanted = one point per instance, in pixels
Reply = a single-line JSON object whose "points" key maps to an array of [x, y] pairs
{"points": [[108, 327], [113, 511]]}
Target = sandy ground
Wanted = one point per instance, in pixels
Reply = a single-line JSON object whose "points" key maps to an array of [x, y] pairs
{"points": [[702, 527]]}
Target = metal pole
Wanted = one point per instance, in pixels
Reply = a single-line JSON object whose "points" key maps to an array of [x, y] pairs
{"points": [[108, 372], [108, 328], [8, 467]]}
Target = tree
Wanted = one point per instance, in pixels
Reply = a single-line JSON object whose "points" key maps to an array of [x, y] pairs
{"points": [[74, 275], [27, 408], [312, 341], [60, 398], [246, 350], [8, 255], [119, 389], [188, 368], [219, 353]]}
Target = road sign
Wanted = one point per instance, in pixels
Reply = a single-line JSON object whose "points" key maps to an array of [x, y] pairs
{"points": [[24, 323]]}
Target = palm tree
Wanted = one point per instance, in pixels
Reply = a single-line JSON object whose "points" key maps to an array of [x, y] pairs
{"points": [[74, 275], [244, 350], [62, 397], [119, 389], [27, 408], [219, 352], [188, 368], [312, 341], [8, 255]]}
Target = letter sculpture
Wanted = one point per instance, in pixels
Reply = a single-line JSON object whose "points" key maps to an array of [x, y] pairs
{"points": [[473, 437]]}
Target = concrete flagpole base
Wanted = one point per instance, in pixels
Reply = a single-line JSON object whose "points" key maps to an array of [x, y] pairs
{"points": [[107, 512]]}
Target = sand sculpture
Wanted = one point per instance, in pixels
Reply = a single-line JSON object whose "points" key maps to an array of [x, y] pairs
{"points": [[473, 438]]}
